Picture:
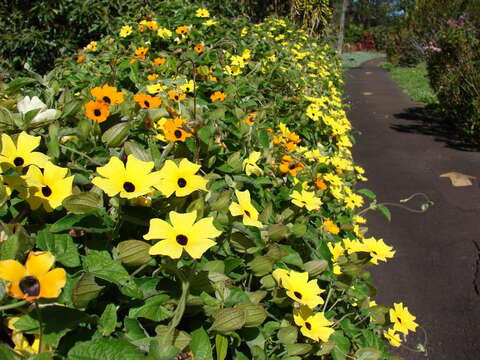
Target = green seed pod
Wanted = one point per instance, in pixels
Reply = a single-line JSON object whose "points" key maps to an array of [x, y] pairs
{"points": [[315, 267], [298, 230], [261, 265], [133, 252], [288, 334], [257, 296], [85, 290], [268, 282], [116, 135], [229, 319], [277, 232], [83, 203], [181, 339], [222, 201], [298, 349], [255, 314], [275, 252], [240, 242]]}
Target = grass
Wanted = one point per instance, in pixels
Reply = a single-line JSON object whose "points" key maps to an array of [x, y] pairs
{"points": [[414, 81], [355, 59]]}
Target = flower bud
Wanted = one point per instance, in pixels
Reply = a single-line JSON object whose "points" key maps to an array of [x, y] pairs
{"points": [[261, 265], [315, 267], [255, 314], [133, 252], [229, 319]]}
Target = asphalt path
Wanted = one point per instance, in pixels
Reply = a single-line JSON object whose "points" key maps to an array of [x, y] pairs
{"points": [[435, 271]]}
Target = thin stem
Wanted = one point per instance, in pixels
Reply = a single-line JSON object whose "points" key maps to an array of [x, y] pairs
{"points": [[327, 299], [81, 154], [41, 344], [13, 306], [182, 303], [19, 218]]}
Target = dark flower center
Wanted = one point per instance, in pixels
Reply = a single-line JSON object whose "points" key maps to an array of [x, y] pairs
{"points": [[107, 99], [147, 104], [128, 186], [308, 326], [178, 134], [297, 294], [30, 286], [46, 191], [182, 239], [182, 182], [292, 166], [247, 213], [97, 112], [177, 97], [18, 161]]}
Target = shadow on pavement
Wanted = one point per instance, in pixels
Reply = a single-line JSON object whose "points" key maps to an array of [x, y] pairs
{"points": [[424, 121]]}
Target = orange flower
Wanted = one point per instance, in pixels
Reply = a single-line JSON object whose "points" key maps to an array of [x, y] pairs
{"points": [[250, 118], [146, 101], [198, 48], [320, 184], [290, 166], [152, 76], [182, 30], [141, 52], [290, 146], [97, 110], [35, 280], [174, 130], [159, 61], [331, 227], [108, 94], [80, 59], [218, 96], [176, 96]]}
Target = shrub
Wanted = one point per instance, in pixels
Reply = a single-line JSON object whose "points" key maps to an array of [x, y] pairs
{"points": [[201, 200], [454, 73]]}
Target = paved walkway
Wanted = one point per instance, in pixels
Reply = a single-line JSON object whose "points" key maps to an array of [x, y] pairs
{"points": [[436, 268]]}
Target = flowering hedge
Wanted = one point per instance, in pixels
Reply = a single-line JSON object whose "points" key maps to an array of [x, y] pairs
{"points": [[184, 189]]}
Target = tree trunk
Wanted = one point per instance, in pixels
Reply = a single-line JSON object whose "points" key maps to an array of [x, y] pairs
{"points": [[342, 26]]}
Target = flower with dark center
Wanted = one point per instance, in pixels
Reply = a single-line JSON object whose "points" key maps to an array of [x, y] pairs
{"points": [[183, 232], [315, 326], [46, 191], [18, 161], [131, 179], [245, 208], [297, 294], [180, 179], [21, 154], [97, 110], [34, 280]]}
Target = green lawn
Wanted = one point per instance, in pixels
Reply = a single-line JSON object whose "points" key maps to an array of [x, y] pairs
{"points": [[414, 81], [356, 58]]}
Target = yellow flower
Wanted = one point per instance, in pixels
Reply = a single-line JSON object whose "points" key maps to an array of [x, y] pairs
{"points": [[155, 88], [314, 326], [392, 337], [21, 155], [180, 179], [92, 46], [378, 250], [209, 22], [279, 275], [130, 180], [301, 290], [202, 13], [402, 320], [244, 207], [34, 280], [187, 87], [19, 340], [306, 199], [125, 30], [164, 33], [48, 188], [183, 233], [250, 164]]}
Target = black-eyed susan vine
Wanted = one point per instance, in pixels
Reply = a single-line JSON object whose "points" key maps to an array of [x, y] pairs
{"points": [[194, 185]]}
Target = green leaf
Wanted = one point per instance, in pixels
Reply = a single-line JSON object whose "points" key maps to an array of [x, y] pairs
{"points": [[116, 135], [221, 346], [368, 193], [87, 222], [108, 320], [206, 134], [152, 309], [385, 211], [342, 345], [105, 349], [16, 84], [200, 345], [100, 264], [6, 353], [368, 354], [263, 138], [58, 320], [61, 246]]}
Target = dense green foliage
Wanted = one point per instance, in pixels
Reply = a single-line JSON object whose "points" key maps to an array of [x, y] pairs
{"points": [[153, 271]]}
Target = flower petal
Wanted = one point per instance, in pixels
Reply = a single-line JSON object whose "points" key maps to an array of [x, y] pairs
{"points": [[51, 283], [159, 229], [27, 143], [197, 247], [12, 271], [168, 248], [205, 229], [39, 262], [182, 222]]}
